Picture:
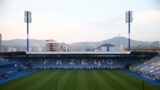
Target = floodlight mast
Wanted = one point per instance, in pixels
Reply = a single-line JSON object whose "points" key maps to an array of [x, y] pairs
{"points": [[27, 19], [129, 19]]}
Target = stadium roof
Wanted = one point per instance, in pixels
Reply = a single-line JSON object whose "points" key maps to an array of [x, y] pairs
{"points": [[126, 52]]}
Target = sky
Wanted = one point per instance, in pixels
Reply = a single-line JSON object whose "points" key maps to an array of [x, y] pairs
{"points": [[71, 21]]}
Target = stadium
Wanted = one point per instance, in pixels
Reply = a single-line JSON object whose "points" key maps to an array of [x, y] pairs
{"points": [[127, 70], [130, 70]]}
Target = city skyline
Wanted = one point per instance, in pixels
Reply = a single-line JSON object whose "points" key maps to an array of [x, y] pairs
{"points": [[72, 21]]}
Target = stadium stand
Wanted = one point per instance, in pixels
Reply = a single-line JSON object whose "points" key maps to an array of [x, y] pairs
{"points": [[9, 67], [13, 62], [150, 69]]}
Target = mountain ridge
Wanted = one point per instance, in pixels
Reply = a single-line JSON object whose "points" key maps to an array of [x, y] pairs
{"points": [[37, 42], [78, 46]]}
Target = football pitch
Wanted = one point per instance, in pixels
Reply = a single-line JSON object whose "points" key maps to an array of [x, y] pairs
{"points": [[78, 80]]}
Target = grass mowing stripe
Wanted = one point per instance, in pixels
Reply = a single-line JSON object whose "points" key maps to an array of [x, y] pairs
{"points": [[94, 79], [32, 81], [81, 81], [71, 82], [22, 80], [110, 80], [63, 80], [125, 80], [132, 80], [41, 80], [50, 84], [77, 80], [126, 83], [120, 81], [91, 81], [101, 82]]}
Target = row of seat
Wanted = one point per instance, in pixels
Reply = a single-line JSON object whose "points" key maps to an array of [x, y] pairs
{"points": [[9, 66], [150, 69], [46, 64]]}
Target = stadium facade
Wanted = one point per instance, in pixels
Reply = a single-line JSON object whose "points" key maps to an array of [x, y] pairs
{"points": [[78, 60]]}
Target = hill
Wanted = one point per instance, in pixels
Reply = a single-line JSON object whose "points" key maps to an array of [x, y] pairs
{"points": [[117, 41], [22, 42], [79, 46]]}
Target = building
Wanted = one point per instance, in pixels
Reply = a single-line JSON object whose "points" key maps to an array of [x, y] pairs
{"points": [[12, 49], [51, 45]]}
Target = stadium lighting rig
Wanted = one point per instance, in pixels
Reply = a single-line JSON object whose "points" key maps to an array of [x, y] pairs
{"points": [[27, 19], [129, 19]]}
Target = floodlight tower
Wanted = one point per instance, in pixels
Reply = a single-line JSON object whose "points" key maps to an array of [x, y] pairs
{"points": [[129, 19], [27, 19]]}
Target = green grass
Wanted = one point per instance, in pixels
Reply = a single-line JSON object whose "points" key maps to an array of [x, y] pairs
{"points": [[77, 80]]}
